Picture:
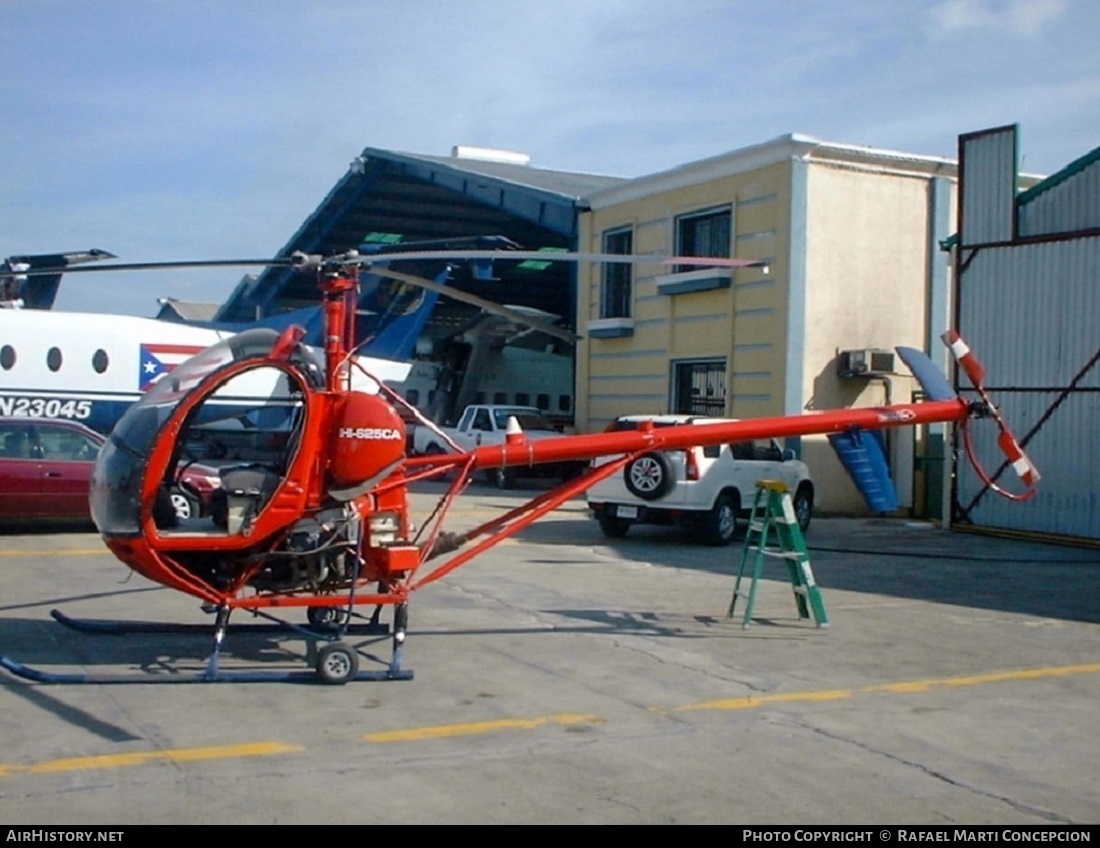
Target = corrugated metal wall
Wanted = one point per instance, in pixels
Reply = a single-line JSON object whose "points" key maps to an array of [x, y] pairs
{"points": [[988, 159], [1070, 205], [1031, 311]]}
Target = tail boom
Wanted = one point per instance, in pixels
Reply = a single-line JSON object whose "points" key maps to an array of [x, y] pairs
{"points": [[520, 451]]}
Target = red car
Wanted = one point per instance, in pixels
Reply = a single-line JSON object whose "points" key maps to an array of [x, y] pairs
{"points": [[46, 463]]}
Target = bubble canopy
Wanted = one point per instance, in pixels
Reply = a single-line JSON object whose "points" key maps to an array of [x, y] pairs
{"points": [[118, 479]]}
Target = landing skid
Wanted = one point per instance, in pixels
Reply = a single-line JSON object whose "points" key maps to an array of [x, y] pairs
{"points": [[335, 662], [109, 627], [38, 676]]}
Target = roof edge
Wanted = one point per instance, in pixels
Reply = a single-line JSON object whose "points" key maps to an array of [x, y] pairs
{"points": [[1058, 177], [470, 166], [783, 148]]}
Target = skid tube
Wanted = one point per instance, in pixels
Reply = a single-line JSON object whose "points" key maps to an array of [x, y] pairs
{"points": [[109, 627], [335, 663]]}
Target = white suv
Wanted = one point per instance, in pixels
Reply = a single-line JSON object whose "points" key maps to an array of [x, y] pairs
{"points": [[706, 488]]}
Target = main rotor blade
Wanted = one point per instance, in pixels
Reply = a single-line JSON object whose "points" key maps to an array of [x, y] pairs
{"points": [[557, 256], [304, 262], [474, 300], [282, 262]]}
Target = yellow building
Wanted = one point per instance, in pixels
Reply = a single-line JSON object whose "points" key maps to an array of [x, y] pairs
{"points": [[851, 236]]}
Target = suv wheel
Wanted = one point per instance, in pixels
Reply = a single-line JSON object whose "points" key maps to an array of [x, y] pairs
{"points": [[614, 528], [804, 506], [720, 524], [649, 476]]}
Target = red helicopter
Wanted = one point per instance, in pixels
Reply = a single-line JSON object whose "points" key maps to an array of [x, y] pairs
{"points": [[315, 512]]}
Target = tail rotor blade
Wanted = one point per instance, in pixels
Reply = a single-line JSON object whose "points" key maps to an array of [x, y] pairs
{"points": [[1014, 454], [966, 359]]}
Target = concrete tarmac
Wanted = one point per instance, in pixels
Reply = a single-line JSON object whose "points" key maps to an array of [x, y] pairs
{"points": [[566, 678]]}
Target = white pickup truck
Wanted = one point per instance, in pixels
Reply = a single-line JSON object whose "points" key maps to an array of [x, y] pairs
{"points": [[485, 424], [705, 488]]}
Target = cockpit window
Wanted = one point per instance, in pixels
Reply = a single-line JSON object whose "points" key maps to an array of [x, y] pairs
{"points": [[243, 437], [120, 469]]}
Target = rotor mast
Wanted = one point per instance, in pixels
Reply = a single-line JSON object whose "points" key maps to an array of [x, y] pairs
{"points": [[339, 285]]}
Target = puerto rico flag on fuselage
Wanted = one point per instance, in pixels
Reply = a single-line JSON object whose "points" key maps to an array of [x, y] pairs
{"points": [[159, 359]]}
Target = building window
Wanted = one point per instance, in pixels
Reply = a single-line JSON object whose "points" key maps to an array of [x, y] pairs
{"points": [[704, 234], [699, 388], [615, 292]]}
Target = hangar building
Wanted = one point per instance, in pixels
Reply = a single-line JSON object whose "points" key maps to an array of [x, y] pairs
{"points": [[1028, 302], [386, 195], [389, 197]]}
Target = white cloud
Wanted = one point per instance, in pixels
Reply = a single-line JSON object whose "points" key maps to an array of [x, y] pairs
{"points": [[1022, 17]]}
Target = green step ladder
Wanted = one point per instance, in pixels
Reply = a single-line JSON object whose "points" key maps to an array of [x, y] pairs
{"points": [[773, 515]]}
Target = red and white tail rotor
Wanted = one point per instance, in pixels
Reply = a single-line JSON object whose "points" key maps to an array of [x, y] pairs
{"points": [[1014, 454]]}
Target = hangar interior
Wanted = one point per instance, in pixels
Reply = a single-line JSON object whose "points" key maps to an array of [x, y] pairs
{"points": [[387, 196]]}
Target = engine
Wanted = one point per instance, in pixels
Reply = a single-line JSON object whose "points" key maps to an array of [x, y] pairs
{"points": [[318, 554]]}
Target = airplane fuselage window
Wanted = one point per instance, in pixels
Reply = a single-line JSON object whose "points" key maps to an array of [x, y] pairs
{"points": [[101, 360]]}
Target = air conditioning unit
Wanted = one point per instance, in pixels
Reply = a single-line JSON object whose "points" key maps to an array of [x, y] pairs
{"points": [[865, 362]]}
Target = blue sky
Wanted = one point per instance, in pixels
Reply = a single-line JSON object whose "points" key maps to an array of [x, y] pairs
{"points": [[194, 129]]}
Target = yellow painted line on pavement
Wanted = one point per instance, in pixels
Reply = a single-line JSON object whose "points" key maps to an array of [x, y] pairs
{"points": [[992, 677], [752, 701], [904, 687], [261, 749], [476, 728], [141, 758]]}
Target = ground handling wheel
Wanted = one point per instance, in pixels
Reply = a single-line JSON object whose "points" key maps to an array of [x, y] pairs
{"points": [[337, 664]]}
